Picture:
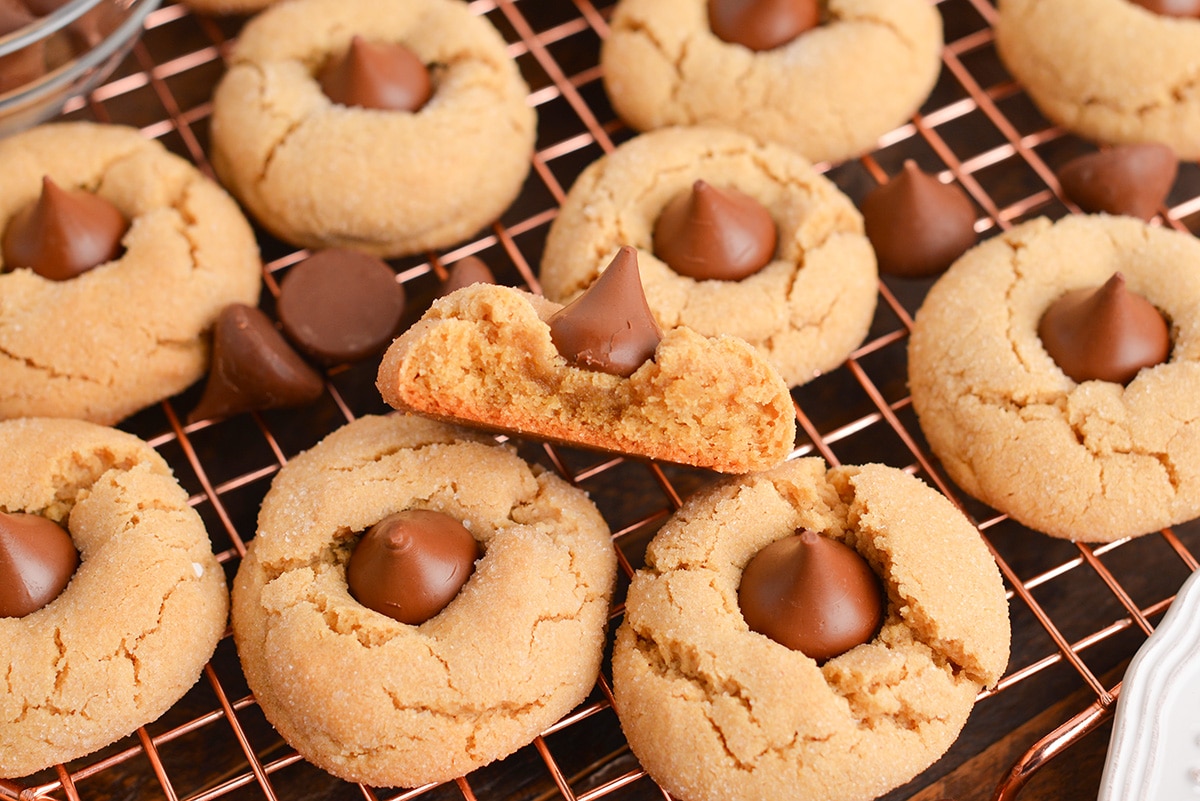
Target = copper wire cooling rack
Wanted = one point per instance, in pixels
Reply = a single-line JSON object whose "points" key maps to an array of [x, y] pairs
{"points": [[1079, 612]]}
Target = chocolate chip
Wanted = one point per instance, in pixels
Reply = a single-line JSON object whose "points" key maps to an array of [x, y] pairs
{"points": [[762, 24], [711, 233], [377, 75], [37, 560], [1133, 180]]}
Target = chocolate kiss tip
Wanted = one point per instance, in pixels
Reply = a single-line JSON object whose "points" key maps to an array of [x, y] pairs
{"points": [[63, 233], [1104, 334], [464, 272], [707, 233], [762, 24], [253, 368], [377, 75], [1133, 180], [917, 225], [609, 328]]}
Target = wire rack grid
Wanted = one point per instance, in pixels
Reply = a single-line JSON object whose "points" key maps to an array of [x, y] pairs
{"points": [[1079, 612]]}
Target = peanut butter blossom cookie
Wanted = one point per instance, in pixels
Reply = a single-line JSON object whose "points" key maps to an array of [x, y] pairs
{"points": [[115, 259], [1055, 371], [419, 602], [733, 237], [1129, 75], [388, 127], [827, 79], [793, 626], [111, 600], [597, 373]]}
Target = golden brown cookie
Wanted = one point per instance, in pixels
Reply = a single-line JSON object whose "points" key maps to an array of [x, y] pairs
{"points": [[374, 700], [806, 310], [715, 710], [1127, 75], [142, 614], [484, 356], [321, 174], [1092, 461], [134, 330], [829, 94]]}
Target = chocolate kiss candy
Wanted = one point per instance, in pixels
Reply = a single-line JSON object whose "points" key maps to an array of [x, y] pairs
{"points": [[1104, 334], [380, 75], [812, 594], [609, 327], [37, 560], [26, 64], [411, 564], [714, 233], [63, 234], [918, 225], [464, 272], [762, 24], [1172, 8], [340, 305], [1129, 179], [253, 367]]}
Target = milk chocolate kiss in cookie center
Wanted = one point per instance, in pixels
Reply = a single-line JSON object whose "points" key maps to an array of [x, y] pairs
{"points": [[377, 75], [37, 560], [63, 233], [609, 328], [1105, 334], [762, 24], [711, 233], [1171, 8], [812, 594], [411, 564]]}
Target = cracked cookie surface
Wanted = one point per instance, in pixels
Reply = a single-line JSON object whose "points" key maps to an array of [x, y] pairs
{"points": [[829, 94], [714, 710], [1129, 75], [805, 311], [320, 174], [141, 615], [1094, 461], [133, 331], [483, 356], [371, 699]]}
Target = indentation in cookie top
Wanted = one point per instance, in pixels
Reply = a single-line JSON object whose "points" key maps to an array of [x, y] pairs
{"points": [[466, 271], [609, 328], [378, 75], [813, 594], [63, 233], [253, 367], [340, 305], [411, 564], [37, 560], [918, 225], [712, 233], [1107, 333], [762, 24], [1171, 8], [1133, 180]]}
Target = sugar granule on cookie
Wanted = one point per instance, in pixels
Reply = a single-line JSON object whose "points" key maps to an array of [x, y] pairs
{"points": [[487, 356], [502, 635], [717, 709], [111, 600]]}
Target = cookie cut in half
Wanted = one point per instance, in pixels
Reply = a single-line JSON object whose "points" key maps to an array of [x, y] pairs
{"points": [[484, 356], [715, 708]]}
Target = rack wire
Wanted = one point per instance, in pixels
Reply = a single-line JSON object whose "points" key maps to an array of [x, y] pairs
{"points": [[1079, 611]]}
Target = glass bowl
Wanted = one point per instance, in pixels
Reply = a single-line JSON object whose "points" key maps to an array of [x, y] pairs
{"points": [[61, 50]]}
